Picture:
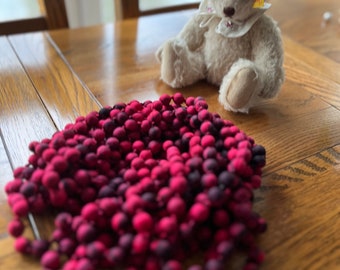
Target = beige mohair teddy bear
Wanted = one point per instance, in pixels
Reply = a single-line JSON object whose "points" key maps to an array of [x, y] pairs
{"points": [[230, 43]]}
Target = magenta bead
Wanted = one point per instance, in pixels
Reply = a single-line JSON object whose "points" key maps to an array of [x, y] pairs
{"points": [[142, 222], [199, 212], [16, 227], [50, 260], [20, 208], [22, 245]]}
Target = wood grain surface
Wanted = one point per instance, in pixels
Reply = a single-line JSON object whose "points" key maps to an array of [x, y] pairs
{"points": [[48, 79]]}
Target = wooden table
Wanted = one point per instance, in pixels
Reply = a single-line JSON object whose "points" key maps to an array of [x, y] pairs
{"points": [[49, 78]]}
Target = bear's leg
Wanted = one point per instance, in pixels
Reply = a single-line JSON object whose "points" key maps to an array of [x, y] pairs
{"points": [[240, 87], [179, 65]]}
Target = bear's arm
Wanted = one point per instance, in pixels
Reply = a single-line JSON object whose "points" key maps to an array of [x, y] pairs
{"points": [[267, 54], [192, 33]]}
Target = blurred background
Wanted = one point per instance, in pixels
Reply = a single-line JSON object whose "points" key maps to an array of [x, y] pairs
{"points": [[79, 12]]}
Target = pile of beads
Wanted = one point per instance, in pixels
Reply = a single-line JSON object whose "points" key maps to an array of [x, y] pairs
{"points": [[142, 186]]}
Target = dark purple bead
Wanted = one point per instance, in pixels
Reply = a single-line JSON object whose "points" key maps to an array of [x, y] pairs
{"points": [[104, 112], [28, 189], [163, 249], [125, 241], [226, 179], [225, 248], [39, 247], [106, 191], [215, 195], [115, 255]]}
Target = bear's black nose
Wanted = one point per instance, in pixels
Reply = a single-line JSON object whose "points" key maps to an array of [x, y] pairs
{"points": [[229, 11]]}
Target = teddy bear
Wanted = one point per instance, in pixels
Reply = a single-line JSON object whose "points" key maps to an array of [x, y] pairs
{"points": [[231, 44]]}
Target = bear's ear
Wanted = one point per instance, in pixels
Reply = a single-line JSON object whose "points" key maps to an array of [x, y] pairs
{"points": [[258, 4]]}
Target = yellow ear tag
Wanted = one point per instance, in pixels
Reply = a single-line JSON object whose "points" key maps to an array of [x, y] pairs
{"points": [[258, 4]]}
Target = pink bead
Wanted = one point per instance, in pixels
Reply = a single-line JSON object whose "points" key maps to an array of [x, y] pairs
{"points": [[63, 221], [208, 140], [142, 222], [16, 227], [140, 244], [82, 178], [165, 99], [132, 204], [86, 233], [177, 168], [145, 154], [70, 265], [204, 115], [37, 176], [90, 212], [131, 175], [138, 145], [109, 206], [67, 246], [172, 265], [38, 206], [22, 245], [58, 198], [119, 221], [164, 194], [13, 186], [20, 208], [95, 250], [255, 181], [166, 226], [98, 135], [178, 184], [199, 212], [48, 154], [221, 218], [176, 206], [178, 98], [14, 197], [196, 150], [59, 163], [50, 179], [209, 180]]}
